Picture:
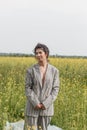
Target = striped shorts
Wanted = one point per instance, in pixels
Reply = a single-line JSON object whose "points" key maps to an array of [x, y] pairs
{"points": [[36, 123]]}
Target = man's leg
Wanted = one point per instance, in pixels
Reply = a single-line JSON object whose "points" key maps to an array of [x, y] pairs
{"points": [[43, 122], [30, 123]]}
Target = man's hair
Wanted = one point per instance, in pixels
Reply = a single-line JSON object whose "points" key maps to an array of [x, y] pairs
{"points": [[43, 47]]}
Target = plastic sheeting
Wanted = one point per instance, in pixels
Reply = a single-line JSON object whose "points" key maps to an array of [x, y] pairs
{"points": [[19, 126]]}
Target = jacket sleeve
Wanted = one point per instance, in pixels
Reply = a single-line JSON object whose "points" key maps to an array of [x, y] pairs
{"points": [[55, 88], [31, 96]]}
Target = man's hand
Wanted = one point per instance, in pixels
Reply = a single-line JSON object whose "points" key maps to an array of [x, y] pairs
{"points": [[40, 106]]}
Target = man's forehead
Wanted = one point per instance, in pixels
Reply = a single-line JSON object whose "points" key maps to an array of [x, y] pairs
{"points": [[39, 50]]}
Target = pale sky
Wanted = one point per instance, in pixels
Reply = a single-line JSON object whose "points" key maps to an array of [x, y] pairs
{"points": [[60, 24]]}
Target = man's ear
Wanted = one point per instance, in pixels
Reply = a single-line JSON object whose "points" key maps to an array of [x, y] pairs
{"points": [[46, 55]]}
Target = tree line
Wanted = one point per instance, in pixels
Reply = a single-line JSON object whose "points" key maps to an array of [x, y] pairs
{"points": [[32, 55]]}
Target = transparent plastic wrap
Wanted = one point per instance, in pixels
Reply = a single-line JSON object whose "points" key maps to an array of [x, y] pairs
{"points": [[20, 124]]}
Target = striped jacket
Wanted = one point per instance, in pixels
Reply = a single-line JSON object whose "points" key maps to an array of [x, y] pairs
{"points": [[36, 93]]}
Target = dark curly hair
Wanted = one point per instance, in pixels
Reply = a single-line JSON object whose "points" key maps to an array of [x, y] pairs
{"points": [[43, 47]]}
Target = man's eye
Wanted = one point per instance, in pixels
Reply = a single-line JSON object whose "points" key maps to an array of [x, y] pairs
{"points": [[38, 53]]}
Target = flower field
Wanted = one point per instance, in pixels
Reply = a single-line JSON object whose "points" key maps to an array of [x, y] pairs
{"points": [[71, 103]]}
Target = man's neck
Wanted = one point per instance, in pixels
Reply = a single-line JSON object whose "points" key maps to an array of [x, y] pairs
{"points": [[43, 64]]}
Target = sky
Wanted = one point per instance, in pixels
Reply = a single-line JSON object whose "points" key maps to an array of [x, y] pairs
{"points": [[60, 24]]}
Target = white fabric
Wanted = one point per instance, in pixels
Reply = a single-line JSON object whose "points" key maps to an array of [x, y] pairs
{"points": [[19, 126]]}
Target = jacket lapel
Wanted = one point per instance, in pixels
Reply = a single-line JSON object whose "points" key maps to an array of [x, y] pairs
{"points": [[38, 74], [46, 76]]}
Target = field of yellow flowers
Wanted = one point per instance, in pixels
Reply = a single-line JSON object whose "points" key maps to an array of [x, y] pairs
{"points": [[71, 103]]}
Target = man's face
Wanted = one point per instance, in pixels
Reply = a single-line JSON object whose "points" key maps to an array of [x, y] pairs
{"points": [[40, 55]]}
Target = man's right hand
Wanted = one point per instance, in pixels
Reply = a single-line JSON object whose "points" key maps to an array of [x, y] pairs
{"points": [[40, 106]]}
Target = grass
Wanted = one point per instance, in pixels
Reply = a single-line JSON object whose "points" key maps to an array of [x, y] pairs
{"points": [[71, 103]]}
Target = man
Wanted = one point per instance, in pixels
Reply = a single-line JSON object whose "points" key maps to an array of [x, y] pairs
{"points": [[41, 88]]}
